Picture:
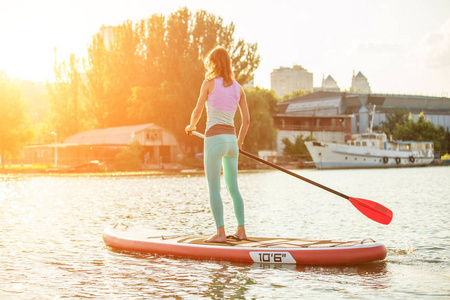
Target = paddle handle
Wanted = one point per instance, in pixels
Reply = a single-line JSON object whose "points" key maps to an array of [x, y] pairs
{"points": [[198, 134]]}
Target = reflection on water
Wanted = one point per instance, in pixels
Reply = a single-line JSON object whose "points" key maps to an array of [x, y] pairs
{"points": [[236, 280], [51, 228]]}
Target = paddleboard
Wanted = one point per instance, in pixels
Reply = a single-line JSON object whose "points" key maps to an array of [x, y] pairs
{"points": [[254, 249]]}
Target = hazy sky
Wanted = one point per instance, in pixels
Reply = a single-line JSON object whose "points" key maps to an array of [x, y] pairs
{"points": [[400, 46]]}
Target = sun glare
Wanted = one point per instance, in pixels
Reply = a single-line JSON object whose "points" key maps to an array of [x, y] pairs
{"points": [[32, 33], [31, 30]]}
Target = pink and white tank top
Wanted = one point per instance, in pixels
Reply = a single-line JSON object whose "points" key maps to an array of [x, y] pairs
{"points": [[222, 104]]}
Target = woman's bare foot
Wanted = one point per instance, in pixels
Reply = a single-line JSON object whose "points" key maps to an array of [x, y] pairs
{"points": [[240, 233], [219, 237], [216, 239]]}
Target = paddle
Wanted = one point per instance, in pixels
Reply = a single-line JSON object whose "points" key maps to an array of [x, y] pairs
{"points": [[370, 209]]}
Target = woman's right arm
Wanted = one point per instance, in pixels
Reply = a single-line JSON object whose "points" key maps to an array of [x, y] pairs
{"points": [[197, 112], [245, 116]]}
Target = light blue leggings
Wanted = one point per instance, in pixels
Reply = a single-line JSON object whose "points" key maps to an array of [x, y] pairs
{"points": [[223, 149]]}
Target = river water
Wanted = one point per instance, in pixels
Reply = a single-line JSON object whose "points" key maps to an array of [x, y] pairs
{"points": [[51, 227]]}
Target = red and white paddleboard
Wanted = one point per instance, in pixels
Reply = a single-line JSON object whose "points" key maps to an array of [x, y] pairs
{"points": [[259, 250]]}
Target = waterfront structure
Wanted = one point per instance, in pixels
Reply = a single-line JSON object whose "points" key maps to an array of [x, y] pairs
{"points": [[317, 115], [286, 80], [360, 84], [159, 146], [312, 115]]}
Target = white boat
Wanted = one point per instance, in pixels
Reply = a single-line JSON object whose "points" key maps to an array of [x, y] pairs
{"points": [[370, 150]]}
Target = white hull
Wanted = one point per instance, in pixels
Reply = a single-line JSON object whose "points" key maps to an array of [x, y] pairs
{"points": [[335, 156]]}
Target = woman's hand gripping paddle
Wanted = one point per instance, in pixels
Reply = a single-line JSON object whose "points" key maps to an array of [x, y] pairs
{"points": [[370, 209]]}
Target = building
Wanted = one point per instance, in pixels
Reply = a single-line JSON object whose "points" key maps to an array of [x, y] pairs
{"points": [[360, 84], [286, 80], [334, 117], [250, 84], [107, 33], [159, 146], [316, 115], [330, 85]]}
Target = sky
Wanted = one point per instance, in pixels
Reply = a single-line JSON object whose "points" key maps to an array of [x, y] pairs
{"points": [[402, 47]]}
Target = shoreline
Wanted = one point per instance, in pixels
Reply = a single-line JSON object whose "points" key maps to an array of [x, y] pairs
{"points": [[155, 172]]}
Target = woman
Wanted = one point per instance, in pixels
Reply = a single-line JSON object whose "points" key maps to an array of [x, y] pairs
{"points": [[222, 96]]}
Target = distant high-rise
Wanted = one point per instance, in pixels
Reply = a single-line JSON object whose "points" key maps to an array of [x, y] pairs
{"points": [[330, 85], [286, 80], [360, 84], [107, 33]]}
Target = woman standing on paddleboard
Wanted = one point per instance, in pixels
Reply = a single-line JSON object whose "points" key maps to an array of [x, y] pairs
{"points": [[222, 95]]}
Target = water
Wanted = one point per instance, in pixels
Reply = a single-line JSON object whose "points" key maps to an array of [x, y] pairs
{"points": [[51, 226]]}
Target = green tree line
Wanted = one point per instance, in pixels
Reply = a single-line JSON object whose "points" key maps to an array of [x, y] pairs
{"points": [[402, 126], [422, 130]]}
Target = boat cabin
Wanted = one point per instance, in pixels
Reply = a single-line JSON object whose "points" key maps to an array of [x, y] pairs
{"points": [[373, 140], [378, 140]]}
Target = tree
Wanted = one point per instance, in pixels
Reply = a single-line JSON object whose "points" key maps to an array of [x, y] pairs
{"points": [[112, 73], [15, 128], [295, 94], [296, 148], [262, 103], [421, 130], [393, 116], [150, 72], [68, 106], [34, 94], [446, 147], [153, 70]]}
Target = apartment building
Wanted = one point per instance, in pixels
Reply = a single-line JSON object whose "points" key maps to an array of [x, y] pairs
{"points": [[286, 80]]}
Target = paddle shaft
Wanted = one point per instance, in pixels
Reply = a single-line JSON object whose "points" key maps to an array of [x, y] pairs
{"points": [[283, 170], [293, 174]]}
